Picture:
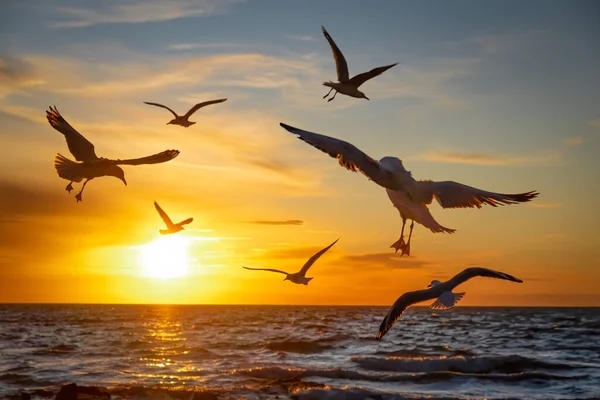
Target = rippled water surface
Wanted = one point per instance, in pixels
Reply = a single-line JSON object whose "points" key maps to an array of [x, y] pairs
{"points": [[256, 352]]}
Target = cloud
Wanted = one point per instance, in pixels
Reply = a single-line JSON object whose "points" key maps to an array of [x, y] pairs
{"points": [[194, 46], [302, 38], [572, 141], [137, 11], [480, 158], [595, 123], [283, 222], [544, 204], [381, 260], [504, 42]]}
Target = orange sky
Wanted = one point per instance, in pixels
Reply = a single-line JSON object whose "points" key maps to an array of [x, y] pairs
{"points": [[242, 177]]}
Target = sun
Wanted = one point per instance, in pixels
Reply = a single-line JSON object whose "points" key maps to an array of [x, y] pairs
{"points": [[165, 258]]}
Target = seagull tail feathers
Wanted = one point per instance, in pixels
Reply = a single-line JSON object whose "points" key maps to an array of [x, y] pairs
{"points": [[62, 164]]}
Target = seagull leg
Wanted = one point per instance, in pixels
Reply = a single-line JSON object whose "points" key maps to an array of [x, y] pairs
{"points": [[406, 249], [78, 195], [399, 244], [69, 187], [333, 96], [328, 93]]}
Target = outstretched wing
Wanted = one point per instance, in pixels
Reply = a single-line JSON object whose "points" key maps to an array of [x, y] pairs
{"points": [[348, 157], [163, 215], [163, 106], [81, 148], [398, 308], [314, 258], [186, 221], [365, 76], [267, 269], [473, 272], [456, 195], [200, 105], [340, 62], [447, 301], [158, 158]]}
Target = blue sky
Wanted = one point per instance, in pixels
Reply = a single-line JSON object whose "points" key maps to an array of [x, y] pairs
{"points": [[501, 95]]}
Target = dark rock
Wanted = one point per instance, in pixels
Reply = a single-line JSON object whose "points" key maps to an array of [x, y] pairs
{"points": [[74, 392], [42, 393]]}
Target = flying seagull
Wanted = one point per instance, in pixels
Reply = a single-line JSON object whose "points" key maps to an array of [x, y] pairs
{"points": [[408, 195], [300, 276], [437, 290], [171, 227], [183, 119], [345, 84], [91, 166]]}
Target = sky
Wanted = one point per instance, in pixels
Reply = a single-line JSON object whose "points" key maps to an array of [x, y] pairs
{"points": [[500, 95]]}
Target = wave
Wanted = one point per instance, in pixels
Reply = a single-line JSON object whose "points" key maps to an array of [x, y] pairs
{"points": [[481, 365], [57, 350], [300, 346]]}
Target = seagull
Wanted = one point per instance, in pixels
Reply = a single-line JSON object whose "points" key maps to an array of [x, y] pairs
{"points": [[441, 290], [300, 276], [91, 166], [183, 119], [171, 227], [346, 85], [408, 195]]}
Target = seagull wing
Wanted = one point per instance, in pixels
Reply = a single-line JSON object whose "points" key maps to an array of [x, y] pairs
{"points": [[200, 105], [314, 258], [403, 302], [186, 221], [163, 106], [473, 272], [267, 269], [456, 195], [81, 148], [349, 157], [163, 215], [447, 301], [158, 158], [365, 76], [340, 62]]}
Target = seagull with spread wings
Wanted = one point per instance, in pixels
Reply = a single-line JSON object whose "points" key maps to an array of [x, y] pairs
{"points": [[408, 195], [182, 120], [300, 276], [437, 290], [171, 227], [345, 84], [91, 166]]}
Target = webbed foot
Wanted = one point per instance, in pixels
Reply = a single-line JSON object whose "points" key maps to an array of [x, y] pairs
{"points": [[399, 245], [78, 197], [69, 187]]}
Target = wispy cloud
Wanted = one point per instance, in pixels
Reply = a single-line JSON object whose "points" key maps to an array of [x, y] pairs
{"points": [[381, 260], [137, 11], [595, 123], [302, 38], [480, 158], [503, 42], [275, 222], [544, 204], [194, 46], [572, 141]]}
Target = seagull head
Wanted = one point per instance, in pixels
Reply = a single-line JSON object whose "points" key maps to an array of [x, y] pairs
{"points": [[434, 283], [171, 122], [393, 164], [117, 172]]}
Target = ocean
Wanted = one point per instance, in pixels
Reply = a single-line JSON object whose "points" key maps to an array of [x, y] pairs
{"points": [[301, 352]]}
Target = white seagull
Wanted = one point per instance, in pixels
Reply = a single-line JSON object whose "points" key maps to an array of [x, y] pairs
{"points": [[91, 166], [408, 195], [345, 84], [171, 227], [182, 120], [440, 290], [300, 276]]}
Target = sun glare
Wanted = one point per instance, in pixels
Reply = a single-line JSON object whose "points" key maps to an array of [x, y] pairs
{"points": [[165, 258]]}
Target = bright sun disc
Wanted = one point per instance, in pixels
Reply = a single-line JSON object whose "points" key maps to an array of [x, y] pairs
{"points": [[165, 258]]}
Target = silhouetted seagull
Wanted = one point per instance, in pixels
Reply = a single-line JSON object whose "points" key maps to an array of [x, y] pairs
{"points": [[346, 85], [171, 227], [300, 276], [183, 119], [408, 195], [91, 166], [437, 290]]}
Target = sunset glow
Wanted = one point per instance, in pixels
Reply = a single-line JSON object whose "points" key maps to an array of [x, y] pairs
{"points": [[165, 258]]}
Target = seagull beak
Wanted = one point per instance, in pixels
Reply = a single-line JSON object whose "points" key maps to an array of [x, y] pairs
{"points": [[429, 285], [367, 98], [124, 181]]}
